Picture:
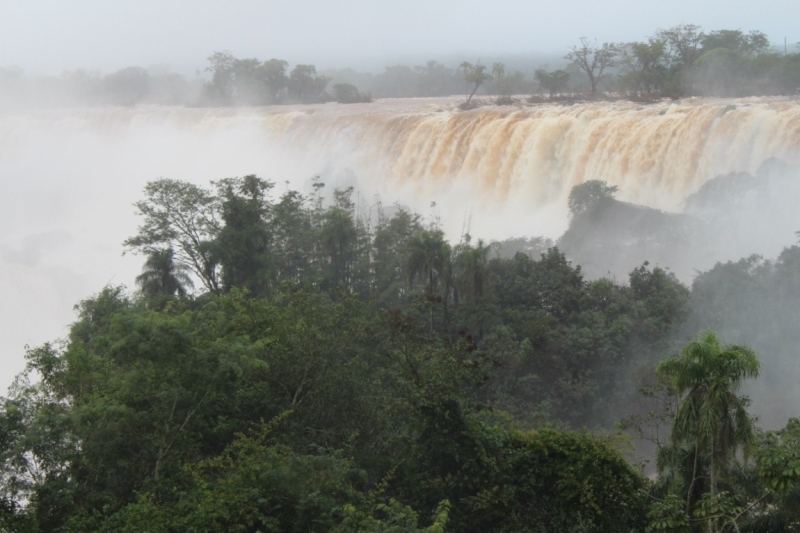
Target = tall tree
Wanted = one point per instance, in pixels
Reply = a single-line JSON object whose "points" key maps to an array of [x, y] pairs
{"points": [[593, 59], [305, 85], [499, 72], [553, 82], [184, 217], [588, 195], [242, 244], [272, 74], [712, 417], [684, 46], [477, 75], [472, 275], [643, 65], [162, 276], [428, 260]]}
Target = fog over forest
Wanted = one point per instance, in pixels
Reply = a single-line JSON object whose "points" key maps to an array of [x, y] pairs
{"points": [[408, 267]]}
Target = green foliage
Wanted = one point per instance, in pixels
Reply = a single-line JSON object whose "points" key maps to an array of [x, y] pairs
{"points": [[570, 482], [162, 276], [476, 75], [589, 195], [242, 244], [305, 85], [644, 66], [345, 93], [711, 416], [184, 218], [593, 60], [553, 82], [398, 373], [778, 457], [668, 516], [246, 81]]}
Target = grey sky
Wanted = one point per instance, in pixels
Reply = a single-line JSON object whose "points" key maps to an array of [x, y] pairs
{"points": [[48, 36]]}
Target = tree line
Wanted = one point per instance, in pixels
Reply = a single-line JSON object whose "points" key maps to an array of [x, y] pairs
{"points": [[674, 62], [685, 61], [308, 363]]}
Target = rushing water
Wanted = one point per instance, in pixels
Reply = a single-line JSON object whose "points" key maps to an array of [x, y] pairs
{"points": [[68, 177]]}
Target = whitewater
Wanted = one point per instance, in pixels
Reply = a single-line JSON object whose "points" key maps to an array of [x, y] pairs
{"points": [[69, 176]]}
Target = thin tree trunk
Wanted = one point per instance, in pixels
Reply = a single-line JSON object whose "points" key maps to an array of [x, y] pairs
{"points": [[691, 485], [473, 93], [711, 525], [446, 297]]}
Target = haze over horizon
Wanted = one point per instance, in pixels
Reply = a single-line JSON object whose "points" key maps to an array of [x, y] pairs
{"points": [[48, 36]]}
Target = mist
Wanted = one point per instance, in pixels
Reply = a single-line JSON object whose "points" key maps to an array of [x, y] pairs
{"points": [[315, 266], [73, 174]]}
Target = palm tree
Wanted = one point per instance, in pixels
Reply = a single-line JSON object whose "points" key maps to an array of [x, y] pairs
{"points": [[711, 416], [428, 258], [498, 70], [472, 270], [477, 75], [162, 276], [338, 240]]}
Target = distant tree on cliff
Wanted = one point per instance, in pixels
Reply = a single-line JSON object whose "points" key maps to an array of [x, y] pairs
{"points": [[475, 74], [683, 45], [593, 59], [246, 81], [553, 82], [644, 65], [305, 85], [163, 276], [345, 93], [738, 42], [589, 194]]}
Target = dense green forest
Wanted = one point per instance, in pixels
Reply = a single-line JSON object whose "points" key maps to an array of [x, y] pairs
{"points": [[675, 62], [303, 363]]}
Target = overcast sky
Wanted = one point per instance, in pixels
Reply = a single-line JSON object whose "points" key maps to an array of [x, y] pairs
{"points": [[49, 36]]}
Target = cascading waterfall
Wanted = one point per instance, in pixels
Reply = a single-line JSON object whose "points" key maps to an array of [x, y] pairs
{"points": [[657, 154], [68, 177]]}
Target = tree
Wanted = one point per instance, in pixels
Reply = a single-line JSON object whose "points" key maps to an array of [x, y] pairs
{"points": [[338, 240], [428, 254], [246, 81], [499, 72], [475, 74], [428, 259], [222, 77], [593, 60], [127, 86], [553, 82], [465, 68], [471, 270], [711, 416], [391, 250], [162, 276], [778, 468], [185, 218], [738, 42], [434, 79], [643, 65], [305, 85], [588, 195], [242, 245], [345, 93], [684, 45], [272, 74]]}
